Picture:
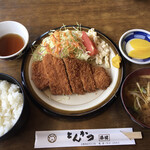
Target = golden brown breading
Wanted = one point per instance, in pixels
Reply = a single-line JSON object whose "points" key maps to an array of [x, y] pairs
{"points": [[102, 79], [62, 75], [86, 76], [68, 75], [54, 84], [73, 72], [38, 76], [58, 80]]}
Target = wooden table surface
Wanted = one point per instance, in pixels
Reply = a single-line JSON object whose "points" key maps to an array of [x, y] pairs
{"points": [[112, 18]]}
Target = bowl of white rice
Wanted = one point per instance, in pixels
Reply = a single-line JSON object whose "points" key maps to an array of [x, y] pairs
{"points": [[13, 106]]}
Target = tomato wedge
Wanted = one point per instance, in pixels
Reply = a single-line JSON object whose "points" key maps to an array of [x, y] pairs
{"points": [[90, 46]]}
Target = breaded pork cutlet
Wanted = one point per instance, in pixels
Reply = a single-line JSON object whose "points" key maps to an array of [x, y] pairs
{"points": [[102, 79], [49, 68], [38, 76], [73, 72], [86, 76], [62, 75], [55, 70]]}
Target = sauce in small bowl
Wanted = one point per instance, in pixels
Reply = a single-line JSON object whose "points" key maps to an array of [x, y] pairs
{"points": [[10, 44], [14, 38]]}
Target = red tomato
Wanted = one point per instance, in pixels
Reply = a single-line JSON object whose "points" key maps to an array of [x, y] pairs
{"points": [[90, 46]]}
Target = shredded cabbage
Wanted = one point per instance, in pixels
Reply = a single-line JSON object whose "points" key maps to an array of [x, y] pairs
{"points": [[64, 43]]}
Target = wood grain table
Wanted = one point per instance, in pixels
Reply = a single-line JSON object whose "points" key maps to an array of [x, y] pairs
{"points": [[112, 18]]}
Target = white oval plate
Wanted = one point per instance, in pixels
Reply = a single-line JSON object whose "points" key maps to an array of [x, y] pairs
{"points": [[72, 105]]}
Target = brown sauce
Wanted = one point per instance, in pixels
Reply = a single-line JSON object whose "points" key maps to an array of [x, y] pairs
{"points": [[10, 44]]}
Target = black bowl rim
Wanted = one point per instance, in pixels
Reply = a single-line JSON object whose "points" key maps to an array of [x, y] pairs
{"points": [[122, 99], [52, 112], [22, 91]]}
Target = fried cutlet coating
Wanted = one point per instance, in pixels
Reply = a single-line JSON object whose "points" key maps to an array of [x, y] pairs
{"points": [[73, 72], [68, 75], [54, 84], [102, 79], [86, 76], [58, 80], [62, 75], [38, 76]]}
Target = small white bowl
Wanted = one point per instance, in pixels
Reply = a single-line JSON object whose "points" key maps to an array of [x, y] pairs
{"points": [[132, 34], [13, 27]]}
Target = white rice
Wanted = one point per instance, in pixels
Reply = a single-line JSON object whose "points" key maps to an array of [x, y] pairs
{"points": [[11, 104]]}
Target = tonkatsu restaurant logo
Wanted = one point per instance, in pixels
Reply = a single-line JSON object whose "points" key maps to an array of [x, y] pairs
{"points": [[52, 138]]}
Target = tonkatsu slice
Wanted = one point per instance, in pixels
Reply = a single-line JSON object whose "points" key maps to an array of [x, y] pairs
{"points": [[62, 75], [49, 68], [38, 76], [101, 77], [56, 74], [73, 72], [86, 76]]}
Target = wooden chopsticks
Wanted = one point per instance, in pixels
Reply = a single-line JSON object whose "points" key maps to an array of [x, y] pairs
{"points": [[133, 135]]}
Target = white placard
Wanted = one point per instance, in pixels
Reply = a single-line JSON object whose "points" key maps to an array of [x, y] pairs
{"points": [[82, 137]]}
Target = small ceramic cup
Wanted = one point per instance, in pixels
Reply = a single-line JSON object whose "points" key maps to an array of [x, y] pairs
{"points": [[13, 27], [129, 35]]}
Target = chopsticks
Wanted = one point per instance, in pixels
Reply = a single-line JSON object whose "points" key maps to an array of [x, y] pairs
{"points": [[133, 135]]}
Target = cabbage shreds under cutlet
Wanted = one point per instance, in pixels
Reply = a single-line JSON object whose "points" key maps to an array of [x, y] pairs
{"points": [[86, 76], [38, 76], [73, 72], [57, 76], [102, 79]]}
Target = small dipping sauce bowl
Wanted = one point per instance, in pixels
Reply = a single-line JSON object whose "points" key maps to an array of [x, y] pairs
{"points": [[133, 34], [14, 38]]}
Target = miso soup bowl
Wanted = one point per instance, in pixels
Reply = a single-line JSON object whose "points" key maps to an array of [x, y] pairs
{"points": [[127, 103], [13, 27]]}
